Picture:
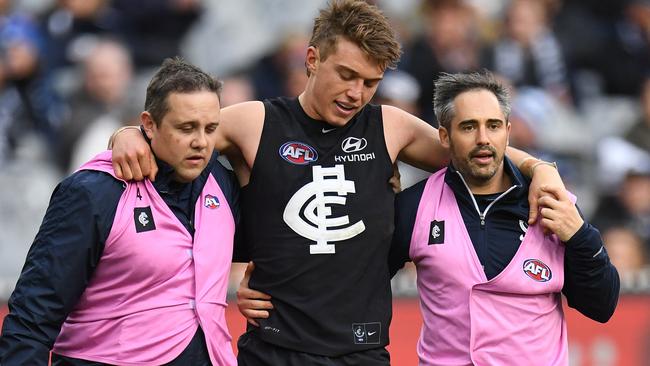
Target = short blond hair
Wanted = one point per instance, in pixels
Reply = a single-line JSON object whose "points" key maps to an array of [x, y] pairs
{"points": [[361, 23]]}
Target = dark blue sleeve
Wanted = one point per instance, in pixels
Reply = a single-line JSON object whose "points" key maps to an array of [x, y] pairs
{"points": [[406, 208], [59, 264], [591, 282], [230, 187]]}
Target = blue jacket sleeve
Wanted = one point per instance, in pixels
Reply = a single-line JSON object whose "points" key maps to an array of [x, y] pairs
{"points": [[59, 264], [591, 282], [406, 208]]}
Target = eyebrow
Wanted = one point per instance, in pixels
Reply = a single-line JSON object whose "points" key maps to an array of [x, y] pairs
{"points": [[476, 121]]}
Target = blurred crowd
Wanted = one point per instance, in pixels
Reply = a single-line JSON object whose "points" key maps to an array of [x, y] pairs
{"points": [[72, 71]]}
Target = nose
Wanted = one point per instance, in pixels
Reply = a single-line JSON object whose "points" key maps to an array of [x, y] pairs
{"points": [[199, 141], [482, 136], [355, 90]]}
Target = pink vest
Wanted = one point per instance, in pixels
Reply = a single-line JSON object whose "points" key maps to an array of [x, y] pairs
{"points": [[514, 319], [153, 288]]}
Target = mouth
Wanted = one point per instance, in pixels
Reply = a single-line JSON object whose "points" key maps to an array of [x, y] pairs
{"points": [[195, 159], [345, 108], [483, 157]]}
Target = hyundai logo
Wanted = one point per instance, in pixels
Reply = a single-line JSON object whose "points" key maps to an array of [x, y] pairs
{"points": [[353, 144]]}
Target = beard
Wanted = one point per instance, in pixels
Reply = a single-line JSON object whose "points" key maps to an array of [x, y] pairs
{"points": [[478, 173]]}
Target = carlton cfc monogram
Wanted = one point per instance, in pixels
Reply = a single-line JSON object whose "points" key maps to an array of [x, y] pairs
{"points": [[317, 213]]}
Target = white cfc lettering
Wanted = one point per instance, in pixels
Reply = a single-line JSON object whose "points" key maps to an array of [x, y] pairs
{"points": [[317, 213]]}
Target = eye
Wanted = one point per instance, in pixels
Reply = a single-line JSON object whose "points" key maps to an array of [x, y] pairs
{"points": [[370, 83], [211, 128], [467, 127], [494, 125]]}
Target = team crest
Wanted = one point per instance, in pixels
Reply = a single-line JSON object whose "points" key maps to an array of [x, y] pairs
{"points": [[437, 232], [143, 219], [537, 270], [211, 201], [298, 153]]}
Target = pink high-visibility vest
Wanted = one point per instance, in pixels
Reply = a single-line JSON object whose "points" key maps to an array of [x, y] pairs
{"points": [[154, 285], [514, 319]]}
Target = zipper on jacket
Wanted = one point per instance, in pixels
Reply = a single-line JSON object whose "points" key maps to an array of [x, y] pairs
{"points": [[483, 214]]}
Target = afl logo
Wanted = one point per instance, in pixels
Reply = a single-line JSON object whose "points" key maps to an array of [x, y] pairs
{"points": [[353, 144], [298, 153], [537, 270]]}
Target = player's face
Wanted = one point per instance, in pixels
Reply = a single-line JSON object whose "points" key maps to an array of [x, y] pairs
{"points": [[186, 135], [478, 137], [341, 85]]}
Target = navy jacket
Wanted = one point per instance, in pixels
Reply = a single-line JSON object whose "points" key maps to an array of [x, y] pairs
{"points": [[591, 282], [68, 247]]}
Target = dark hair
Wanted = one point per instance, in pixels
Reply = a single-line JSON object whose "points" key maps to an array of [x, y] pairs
{"points": [[176, 76], [449, 86], [361, 23]]}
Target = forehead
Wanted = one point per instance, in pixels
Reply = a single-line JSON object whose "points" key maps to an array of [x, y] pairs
{"points": [[346, 54], [197, 105], [479, 105]]}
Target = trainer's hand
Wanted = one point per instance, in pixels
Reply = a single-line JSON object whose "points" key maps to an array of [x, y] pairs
{"points": [[559, 214], [543, 175], [252, 304], [395, 181], [132, 157]]}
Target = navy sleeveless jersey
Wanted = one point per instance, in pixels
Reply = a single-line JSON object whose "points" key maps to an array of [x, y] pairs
{"points": [[318, 219]]}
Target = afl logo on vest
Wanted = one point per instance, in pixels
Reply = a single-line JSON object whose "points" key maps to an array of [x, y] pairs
{"points": [[537, 270], [298, 153]]}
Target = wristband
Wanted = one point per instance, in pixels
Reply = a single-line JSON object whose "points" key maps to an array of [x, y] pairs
{"points": [[549, 163], [521, 165], [117, 132]]}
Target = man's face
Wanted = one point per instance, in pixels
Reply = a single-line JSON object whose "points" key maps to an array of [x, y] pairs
{"points": [[186, 135], [341, 85], [478, 136]]}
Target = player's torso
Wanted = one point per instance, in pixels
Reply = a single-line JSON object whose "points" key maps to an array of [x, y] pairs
{"points": [[318, 216]]}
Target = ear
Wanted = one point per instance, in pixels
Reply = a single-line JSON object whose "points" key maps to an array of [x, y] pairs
{"points": [[148, 124], [444, 137], [312, 59], [508, 128]]}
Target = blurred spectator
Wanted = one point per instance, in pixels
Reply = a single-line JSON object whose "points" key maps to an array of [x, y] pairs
{"points": [[399, 89], [28, 101], [629, 207], [74, 25], [283, 71], [107, 77], [236, 89], [155, 28], [449, 43], [626, 249], [619, 154], [528, 53]]}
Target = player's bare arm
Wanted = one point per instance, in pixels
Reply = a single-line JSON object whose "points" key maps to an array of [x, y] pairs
{"points": [[241, 126], [238, 133]]}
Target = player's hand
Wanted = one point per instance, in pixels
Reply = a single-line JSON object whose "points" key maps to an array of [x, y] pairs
{"points": [[132, 157], [252, 304], [559, 214], [543, 175]]}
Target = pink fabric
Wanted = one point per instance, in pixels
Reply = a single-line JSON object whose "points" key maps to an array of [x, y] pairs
{"points": [[512, 319], [151, 290]]}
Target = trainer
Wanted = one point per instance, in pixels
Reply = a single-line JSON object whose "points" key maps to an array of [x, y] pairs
{"points": [[135, 273]]}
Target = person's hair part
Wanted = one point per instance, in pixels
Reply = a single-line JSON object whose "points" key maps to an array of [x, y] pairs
{"points": [[176, 76], [449, 86], [358, 22]]}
